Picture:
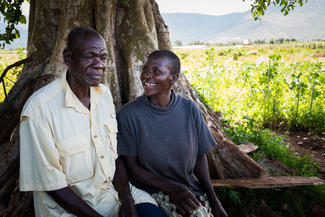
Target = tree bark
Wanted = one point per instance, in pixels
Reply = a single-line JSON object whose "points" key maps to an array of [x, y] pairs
{"points": [[131, 30]]}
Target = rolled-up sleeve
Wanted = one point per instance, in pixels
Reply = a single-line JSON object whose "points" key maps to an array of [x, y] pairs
{"points": [[206, 141], [40, 167]]}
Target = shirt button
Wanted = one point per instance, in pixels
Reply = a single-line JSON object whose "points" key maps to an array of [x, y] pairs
{"points": [[102, 157]]}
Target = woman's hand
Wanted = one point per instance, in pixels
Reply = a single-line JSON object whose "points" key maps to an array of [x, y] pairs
{"points": [[185, 201], [127, 209], [218, 210]]}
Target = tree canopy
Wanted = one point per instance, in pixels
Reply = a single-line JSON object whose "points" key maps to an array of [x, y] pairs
{"points": [[12, 15], [258, 7]]}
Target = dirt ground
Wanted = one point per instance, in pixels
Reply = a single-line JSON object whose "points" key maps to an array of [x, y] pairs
{"points": [[301, 143]]}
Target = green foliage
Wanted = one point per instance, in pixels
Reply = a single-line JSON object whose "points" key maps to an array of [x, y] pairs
{"points": [[198, 43], [275, 91], [270, 146], [12, 15], [178, 43], [291, 202], [258, 7]]}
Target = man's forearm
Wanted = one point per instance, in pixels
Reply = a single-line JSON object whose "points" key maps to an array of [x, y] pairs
{"points": [[121, 181], [72, 203]]}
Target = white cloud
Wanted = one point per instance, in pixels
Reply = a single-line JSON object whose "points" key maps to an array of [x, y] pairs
{"points": [[211, 7]]}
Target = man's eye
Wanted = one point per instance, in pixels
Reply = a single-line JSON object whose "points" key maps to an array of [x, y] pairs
{"points": [[103, 58]]}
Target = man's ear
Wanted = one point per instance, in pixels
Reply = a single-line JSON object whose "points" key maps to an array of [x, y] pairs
{"points": [[67, 57], [174, 78]]}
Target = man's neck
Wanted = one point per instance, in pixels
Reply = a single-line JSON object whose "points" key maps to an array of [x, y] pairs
{"points": [[82, 92]]}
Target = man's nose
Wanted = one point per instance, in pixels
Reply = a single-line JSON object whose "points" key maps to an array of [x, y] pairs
{"points": [[98, 63]]}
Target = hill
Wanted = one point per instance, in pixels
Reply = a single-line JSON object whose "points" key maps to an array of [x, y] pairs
{"points": [[304, 23]]}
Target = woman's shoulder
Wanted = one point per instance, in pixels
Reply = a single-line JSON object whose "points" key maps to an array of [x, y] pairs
{"points": [[132, 107], [187, 102]]}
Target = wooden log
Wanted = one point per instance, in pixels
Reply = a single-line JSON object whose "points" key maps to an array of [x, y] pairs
{"points": [[247, 147], [234, 163], [268, 182]]}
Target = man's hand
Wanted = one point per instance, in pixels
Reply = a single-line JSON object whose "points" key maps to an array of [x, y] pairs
{"points": [[121, 185], [185, 201], [127, 209], [72, 203]]}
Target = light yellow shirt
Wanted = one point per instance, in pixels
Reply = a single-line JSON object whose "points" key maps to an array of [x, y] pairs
{"points": [[62, 143]]}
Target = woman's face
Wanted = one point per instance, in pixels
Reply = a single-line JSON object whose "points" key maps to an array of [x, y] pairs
{"points": [[157, 77]]}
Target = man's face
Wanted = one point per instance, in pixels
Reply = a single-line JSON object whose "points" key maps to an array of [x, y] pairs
{"points": [[87, 60], [157, 77]]}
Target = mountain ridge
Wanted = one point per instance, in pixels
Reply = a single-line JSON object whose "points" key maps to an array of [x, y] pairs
{"points": [[303, 23]]}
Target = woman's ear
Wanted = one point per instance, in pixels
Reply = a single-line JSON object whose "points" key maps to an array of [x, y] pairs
{"points": [[67, 57], [174, 78]]}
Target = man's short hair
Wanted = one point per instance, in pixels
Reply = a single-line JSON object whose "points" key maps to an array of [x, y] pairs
{"points": [[172, 57], [79, 32]]}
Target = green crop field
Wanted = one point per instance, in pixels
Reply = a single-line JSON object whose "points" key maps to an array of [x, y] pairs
{"points": [[279, 86]]}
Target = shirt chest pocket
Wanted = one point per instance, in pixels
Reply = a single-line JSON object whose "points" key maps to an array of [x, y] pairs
{"points": [[111, 132], [76, 158]]}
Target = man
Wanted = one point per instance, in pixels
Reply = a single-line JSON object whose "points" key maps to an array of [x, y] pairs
{"points": [[68, 140]]}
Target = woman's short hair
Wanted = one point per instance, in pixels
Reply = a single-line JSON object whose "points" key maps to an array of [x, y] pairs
{"points": [[172, 57]]}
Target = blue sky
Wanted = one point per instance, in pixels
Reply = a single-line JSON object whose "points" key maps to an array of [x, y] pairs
{"points": [[211, 7]]}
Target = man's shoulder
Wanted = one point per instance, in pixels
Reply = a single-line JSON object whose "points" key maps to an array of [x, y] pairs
{"points": [[39, 98]]}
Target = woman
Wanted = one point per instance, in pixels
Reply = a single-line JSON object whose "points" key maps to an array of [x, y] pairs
{"points": [[163, 140]]}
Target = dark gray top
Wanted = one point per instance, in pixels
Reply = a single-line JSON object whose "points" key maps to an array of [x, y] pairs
{"points": [[166, 140]]}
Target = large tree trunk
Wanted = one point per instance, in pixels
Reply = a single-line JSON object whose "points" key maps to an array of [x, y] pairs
{"points": [[131, 31]]}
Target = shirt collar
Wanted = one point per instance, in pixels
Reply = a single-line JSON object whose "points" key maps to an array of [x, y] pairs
{"points": [[71, 100]]}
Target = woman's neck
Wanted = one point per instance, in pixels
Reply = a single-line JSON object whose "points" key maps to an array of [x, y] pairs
{"points": [[162, 100]]}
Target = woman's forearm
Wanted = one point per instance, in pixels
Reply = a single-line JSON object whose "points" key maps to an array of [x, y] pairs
{"points": [[201, 171], [184, 200], [145, 177]]}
